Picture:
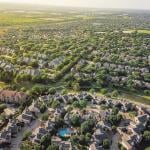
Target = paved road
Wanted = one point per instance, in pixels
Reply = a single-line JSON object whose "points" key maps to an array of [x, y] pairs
{"points": [[115, 140], [116, 137], [16, 142]]}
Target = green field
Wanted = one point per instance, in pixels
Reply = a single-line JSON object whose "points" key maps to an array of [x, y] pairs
{"points": [[2, 85], [139, 31], [21, 19], [2, 31], [12, 19], [136, 98]]}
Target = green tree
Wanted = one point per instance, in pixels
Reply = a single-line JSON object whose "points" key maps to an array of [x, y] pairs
{"points": [[87, 126], [115, 110], [45, 117], [43, 108], [106, 143], [92, 91], [46, 141], [75, 120], [34, 64], [114, 119], [146, 135], [55, 104], [103, 91], [26, 135], [76, 86], [147, 92], [52, 91], [2, 107], [114, 93], [82, 140], [74, 139], [82, 103], [76, 104], [53, 147], [25, 146]]}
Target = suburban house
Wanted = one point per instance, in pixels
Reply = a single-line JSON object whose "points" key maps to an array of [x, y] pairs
{"points": [[98, 137], [131, 135], [26, 116], [65, 145], [39, 133]]}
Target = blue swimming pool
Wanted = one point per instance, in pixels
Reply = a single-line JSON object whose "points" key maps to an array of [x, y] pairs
{"points": [[64, 132]]}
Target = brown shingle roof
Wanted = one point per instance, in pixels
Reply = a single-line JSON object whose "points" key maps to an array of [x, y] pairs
{"points": [[12, 94]]}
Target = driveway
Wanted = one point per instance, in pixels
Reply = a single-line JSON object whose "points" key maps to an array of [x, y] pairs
{"points": [[116, 137], [115, 140], [16, 142]]}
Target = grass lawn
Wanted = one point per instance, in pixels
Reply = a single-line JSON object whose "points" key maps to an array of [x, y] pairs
{"points": [[135, 97], [12, 19], [139, 31], [2, 31], [7, 57], [147, 97], [29, 85], [144, 31], [16, 19], [2, 85]]}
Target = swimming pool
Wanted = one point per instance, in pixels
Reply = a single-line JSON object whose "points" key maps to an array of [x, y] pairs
{"points": [[64, 132]]}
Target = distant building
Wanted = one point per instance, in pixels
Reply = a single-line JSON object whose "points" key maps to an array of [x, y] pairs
{"points": [[13, 97]]}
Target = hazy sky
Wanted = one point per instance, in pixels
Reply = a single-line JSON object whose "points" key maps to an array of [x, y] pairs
{"points": [[136, 4]]}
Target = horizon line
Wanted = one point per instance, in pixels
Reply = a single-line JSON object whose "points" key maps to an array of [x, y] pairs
{"points": [[67, 6]]}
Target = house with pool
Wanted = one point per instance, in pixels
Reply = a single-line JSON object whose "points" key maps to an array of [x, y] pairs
{"points": [[66, 132]]}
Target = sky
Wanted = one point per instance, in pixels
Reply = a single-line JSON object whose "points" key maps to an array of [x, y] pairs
{"points": [[133, 4]]}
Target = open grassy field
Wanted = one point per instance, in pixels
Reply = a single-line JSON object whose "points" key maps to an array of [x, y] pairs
{"points": [[15, 19], [136, 98], [144, 31], [129, 96], [139, 31], [2, 85], [2, 31]]}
